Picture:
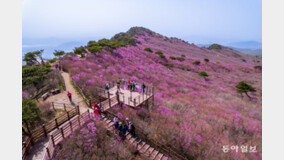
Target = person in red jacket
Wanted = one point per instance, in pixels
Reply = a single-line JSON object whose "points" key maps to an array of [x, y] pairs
{"points": [[96, 111], [95, 105], [69, 96]]}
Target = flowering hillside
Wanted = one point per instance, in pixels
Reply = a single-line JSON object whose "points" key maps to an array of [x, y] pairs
{"points": [[196, 112]]}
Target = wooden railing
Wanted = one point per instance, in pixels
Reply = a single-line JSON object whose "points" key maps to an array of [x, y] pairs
{"points": [[81, 93], [64, 131], [26, 145], [170, 151], [40, 132]]}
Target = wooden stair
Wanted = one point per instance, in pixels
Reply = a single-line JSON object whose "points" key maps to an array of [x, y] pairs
{"points": [[142, 147]]}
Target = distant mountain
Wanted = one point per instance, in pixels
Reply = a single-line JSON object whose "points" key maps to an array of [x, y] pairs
{"points": [[256, 52], [245, 45], [49, 45]]}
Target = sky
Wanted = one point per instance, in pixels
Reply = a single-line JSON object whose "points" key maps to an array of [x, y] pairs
{"points": [[196, 21]]}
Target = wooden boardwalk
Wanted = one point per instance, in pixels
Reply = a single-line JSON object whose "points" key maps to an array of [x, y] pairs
{"points": [[67, 128]]}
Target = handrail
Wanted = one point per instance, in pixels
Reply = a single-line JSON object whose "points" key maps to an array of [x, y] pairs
{"points": [[42, 131], [64, 131]]}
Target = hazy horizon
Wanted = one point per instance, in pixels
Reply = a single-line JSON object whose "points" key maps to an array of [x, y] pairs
{"points": [[194, 21]]}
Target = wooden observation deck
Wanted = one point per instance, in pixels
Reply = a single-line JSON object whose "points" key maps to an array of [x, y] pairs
{"points": [[126, 96]]}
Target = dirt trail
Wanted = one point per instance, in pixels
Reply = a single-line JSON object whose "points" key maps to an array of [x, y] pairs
{"points": [[62, 98]]}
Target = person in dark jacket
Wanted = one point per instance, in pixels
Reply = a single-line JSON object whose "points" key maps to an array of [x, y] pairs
{"points": [[107, 87], [124, 129], [132, 130], [116, 124], [121, 128], [143, 88]]}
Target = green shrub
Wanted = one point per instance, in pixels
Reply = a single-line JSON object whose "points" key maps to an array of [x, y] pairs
{"points": [[215, 46], [180, 59], [33, 75], [52, 60], [119, 40], [94, 49], [148, 50], [203, 74], [182, 55], [244, 60], [258, 67], [159, 53], [30, 112], [79, 50], [172, 57], [124, 39], [169, 65], [206, 60], [196, 62], [162, 56], [243, 87]]}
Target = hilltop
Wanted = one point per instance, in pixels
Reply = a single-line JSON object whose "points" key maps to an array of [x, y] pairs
{"points": [[198, 114]]}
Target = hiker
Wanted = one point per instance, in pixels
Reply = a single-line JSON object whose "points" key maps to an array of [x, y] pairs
{"points": [[128, 122], [115, 119], [59, 67], [95, 105], [129, 85], [124, 129], [132, 129], [96, 112], [143, 88], [56, 66], [69, 96], [116, 124], [133, 86], [123, 83], [118, 84], [99, 110], [119, 126], [107, 87], [117, 96]]}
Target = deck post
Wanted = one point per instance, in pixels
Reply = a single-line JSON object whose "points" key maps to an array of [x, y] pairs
{"points": [[89, 114], [90, 103], [44, 130], [109, 102], [68, 115], [62, 132], [79, 120], [78, 110], [52, 139], [56, 122], [134, 102], [71, 127], [48, 153]]}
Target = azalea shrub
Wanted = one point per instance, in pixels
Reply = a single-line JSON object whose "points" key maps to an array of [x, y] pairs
{"points": [[196, 116], [93, 141]]}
